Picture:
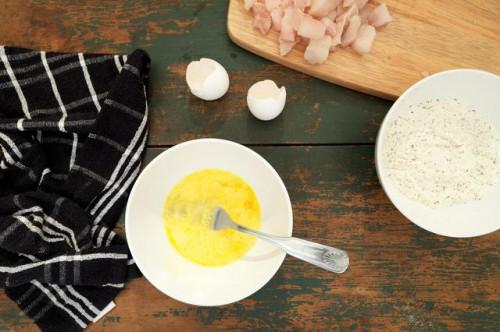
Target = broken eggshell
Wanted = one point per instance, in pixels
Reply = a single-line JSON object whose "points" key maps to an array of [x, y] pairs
{"points": [[207, 79], [265, 100]]}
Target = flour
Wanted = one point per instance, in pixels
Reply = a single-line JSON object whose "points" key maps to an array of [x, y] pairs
{"points": [[442, 153]]}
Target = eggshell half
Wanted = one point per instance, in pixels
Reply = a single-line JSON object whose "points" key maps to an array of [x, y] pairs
{"points": [[265, 100], [207, 79]]}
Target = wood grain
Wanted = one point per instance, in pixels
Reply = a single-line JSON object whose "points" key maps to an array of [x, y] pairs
{"points": [[425, 37], [401, 277], [176, 32]]}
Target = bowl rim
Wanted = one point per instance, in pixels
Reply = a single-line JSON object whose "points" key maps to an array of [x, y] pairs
{"points": [[181, 145], [382, 129]]}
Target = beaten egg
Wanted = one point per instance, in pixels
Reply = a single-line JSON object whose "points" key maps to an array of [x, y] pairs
{"points": [[188, 211]]}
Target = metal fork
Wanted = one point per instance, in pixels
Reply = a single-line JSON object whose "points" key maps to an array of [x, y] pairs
{"points": [[328, 258]]}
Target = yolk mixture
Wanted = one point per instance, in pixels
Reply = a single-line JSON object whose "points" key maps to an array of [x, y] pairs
{"points": [[188, 211]]}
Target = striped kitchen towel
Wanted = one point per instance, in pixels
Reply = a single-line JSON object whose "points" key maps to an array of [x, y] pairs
{"points": [[72, 132]]}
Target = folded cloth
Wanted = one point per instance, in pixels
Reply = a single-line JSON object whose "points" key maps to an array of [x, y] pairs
{"points": [[72, 132]]}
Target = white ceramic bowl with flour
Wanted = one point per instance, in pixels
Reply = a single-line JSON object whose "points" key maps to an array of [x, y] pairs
{"points": [[438, 153]]}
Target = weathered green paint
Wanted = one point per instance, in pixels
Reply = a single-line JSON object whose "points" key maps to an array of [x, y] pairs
{"points": [[176, 32], [401, 276]]}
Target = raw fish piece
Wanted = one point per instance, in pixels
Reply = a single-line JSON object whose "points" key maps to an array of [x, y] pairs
{"points": [[379, 16], [311, 28], [331, 27], [364, 40], [287, 32], [361, 3], [302, 4], [321, 8], [342, 22], [286, 46], [332, 15], [346, 15], [248, 4], [318, 50], [351, 32], [261, 17], [294, 16], [348, 3], [286, 3], [337, 39], [339, 10], [276, 16], [365, 12], [271, 4]]}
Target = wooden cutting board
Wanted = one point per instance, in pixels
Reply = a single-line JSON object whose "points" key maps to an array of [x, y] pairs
{"points": [[425, 37]]}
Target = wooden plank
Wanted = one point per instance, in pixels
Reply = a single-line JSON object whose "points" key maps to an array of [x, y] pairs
{"points": [[176, 32], [401, 277], [425, 37]]}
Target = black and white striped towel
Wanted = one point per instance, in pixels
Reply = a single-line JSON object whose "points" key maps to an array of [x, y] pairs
{"points": [[72, 132]]}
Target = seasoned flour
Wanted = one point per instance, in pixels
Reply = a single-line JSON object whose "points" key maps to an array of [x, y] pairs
{"points": [[442, 153]]}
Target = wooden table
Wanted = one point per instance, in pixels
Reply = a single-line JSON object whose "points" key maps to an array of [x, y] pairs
{"points": [[401, 277]]}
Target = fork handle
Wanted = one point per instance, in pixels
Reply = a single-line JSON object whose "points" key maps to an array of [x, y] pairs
{"points": [[328, 258]]}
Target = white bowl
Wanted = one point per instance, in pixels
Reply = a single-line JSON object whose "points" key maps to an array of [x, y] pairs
{"points": [[471, 87], [160, 263]]}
